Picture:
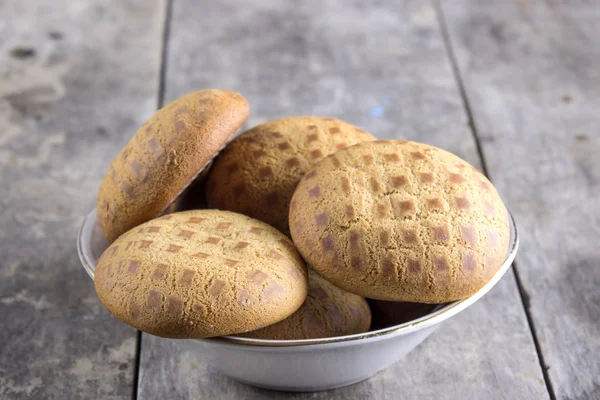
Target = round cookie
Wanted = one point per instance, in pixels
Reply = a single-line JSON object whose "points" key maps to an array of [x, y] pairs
{"points": [[400, 221], [164, 156], [201, 273], [257, 173], [328, 311]]}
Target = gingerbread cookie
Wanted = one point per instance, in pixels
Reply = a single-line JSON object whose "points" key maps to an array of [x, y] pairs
{"points": [[201, 273], [328, 311], [400, 221], [164, 156], [257, 173]]}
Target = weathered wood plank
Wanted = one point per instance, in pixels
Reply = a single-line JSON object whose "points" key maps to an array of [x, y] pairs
{"points": [[76, 78], [384, 68], [531, 74]]}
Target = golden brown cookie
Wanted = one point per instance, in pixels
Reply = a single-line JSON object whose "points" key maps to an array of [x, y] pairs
{"points": [[201, 273], [257, 173], [400, 221], [328, 311], [164, 156]]}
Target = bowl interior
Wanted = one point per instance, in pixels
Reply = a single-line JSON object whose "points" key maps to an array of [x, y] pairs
{"points": [[91, 243]]}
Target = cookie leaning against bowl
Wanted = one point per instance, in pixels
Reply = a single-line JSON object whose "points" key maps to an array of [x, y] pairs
{"points": [[201, 273], [257, 173], [400, 221], [327, 311], [164, 156]]}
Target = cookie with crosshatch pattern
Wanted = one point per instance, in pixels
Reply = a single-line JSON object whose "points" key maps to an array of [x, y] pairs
{"points": [[201, 273], [327, 311], [400, 221], [257, 173], [165, 155]]}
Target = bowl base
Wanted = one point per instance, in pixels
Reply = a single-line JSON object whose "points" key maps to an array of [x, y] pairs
{"points": [[302, 388]]}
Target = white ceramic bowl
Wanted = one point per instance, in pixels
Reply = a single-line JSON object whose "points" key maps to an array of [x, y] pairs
{"points": [[312, 364]]}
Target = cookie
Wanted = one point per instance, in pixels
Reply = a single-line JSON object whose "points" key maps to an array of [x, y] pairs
{"points": [[164, 156], [389, 313], [257, 173], [400, 221], [328, 311], [201, 273]]}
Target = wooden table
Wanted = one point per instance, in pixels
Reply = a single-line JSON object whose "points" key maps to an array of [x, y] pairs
{"points": [[513, 87]]}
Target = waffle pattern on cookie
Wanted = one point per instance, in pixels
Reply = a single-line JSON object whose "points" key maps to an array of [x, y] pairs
{"points": [[201, 273], [328, 311], [257, 173], [400, 221], [164, 156]]}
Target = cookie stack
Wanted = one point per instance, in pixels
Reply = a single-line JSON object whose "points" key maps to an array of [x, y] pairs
{"points": [[305, 218]]}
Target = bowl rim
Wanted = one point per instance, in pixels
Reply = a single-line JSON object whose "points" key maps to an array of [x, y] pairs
{"points": [[440, 314]]}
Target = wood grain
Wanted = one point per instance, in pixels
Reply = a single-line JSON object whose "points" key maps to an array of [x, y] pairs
{"points": [[76, 80], [386, 69], [530, 71]]}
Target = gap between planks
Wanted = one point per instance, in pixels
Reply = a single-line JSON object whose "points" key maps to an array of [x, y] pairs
{"points": [[456, 73], [471, 121], [159, 104]]}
